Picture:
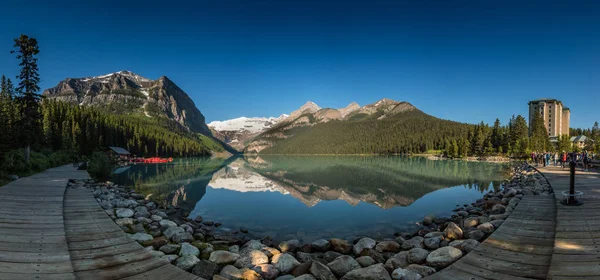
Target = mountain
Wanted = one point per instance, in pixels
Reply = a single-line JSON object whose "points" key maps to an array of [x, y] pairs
{"points": [[125, 92], [237, 132], [386, 126]]}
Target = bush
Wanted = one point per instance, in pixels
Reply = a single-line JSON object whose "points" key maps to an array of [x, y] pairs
{"points": [[99, 166]]}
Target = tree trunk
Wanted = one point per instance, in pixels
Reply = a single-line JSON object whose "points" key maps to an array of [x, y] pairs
{"points": [[27, 153]]}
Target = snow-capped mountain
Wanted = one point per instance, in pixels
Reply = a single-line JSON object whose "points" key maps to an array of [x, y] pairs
{"points": [[125, 92], [236, 132]]}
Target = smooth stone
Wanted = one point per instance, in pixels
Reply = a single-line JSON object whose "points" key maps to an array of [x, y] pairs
{"points": [[248, 274], [432, 243], [188, 249], [223, 257], [157, 254], [164, 224], [141, 237], [497, 223], [284, 262], [498, 209], [205, 269], [289, 246], [417, 255], [321, 245], [182, 237], [465, 245], [421, 269], [405, 274], [187, 262], [471, 222], [342, 265], [124, 213], [329, 256], [340, 246], [305, 277], [388, 246], [415, 242], [453, 232], [399, 260], [170, 248], [254, 244], [251, 258], [285, 277], [231, 272], [170, 258], [169, 233], [267, 271], [374, 272], [156, 218], [364, 243], [443, 257], [433, 234], [428, 220], [476, 234], [365, 261], [486, 228]]}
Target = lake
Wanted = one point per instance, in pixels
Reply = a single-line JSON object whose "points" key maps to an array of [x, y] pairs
{"points": [[312, 197]]}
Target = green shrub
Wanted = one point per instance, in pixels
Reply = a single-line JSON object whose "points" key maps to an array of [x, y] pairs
{"points": [[99, 166]]}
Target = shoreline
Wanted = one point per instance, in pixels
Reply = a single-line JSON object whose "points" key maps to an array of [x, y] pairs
{"points": [[200, 247]]}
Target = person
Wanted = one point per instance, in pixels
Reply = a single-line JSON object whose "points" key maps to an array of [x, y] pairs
{"points": [[555, 158], [563, 159], [532, 157], [547, 159]]}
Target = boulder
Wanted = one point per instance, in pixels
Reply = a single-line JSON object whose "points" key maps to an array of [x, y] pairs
{"points": [[223, 257], [434, 234], [374, 272], [249, 274], [301, 269], [399, 260], [142, 238], [164, 224], [267, 271], [231, 272], [156, 218], [169, 233], [415, 242], [284, 277], [465, 246], [254, 245], [432, 243], [388, 246], [364, 243], [417, 255], [428, 220], [158, 242], [471, 222], [284, 262], [321, 245], [251, 258], [305, 277], [342, 265], [476, 234], [170, 258], [497, 223], [124, 222], [205, 269], [421, 269], [289, 246], [365, 261], [453, 231], [124, 213], [188, 249], [486, 228], [340, 246], [498, 209], [321, 271], [182, 237], [443, 257], [405, 274], [188, 262], [170, 248], [329, 256]]}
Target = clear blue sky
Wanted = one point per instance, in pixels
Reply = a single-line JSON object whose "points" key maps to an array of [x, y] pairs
{"points": [[462, 60]]}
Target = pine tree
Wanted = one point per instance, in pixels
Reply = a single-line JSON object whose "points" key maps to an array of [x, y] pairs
{"points": [[496, 136], [540, 140], [29, 127]]}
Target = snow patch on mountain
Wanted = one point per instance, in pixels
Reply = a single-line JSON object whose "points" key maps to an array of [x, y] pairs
{"points": [[252, 125]]}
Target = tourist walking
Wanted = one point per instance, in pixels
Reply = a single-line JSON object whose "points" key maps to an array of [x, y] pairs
{"points": [[563, 159], [555, 159]]}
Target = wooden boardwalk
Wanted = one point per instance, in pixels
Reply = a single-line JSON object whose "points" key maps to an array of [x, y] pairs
{"points": [[50, 232], [33, 244], [521, 248], [577, 244]]}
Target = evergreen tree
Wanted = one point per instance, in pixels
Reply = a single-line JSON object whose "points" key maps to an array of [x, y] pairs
{"points": [[496, 136], [563, 144], [29, 127], [518, 136], [540, 140]]}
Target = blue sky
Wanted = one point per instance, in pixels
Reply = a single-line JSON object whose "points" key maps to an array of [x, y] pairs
{"points": [[461, 60]]}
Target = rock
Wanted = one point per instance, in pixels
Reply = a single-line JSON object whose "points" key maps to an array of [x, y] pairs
{"points": [[510, 193], [234, 249], [428, 220], [340, 246], [301, 269], [289, 246], [378, 257], [105, 204], [218, 277], [443, 257], [249, 274], [400, 240], [270, 252], [170, 258], [137, 228], [251, 258], [434, 234], [156, 218], [417, 255], [465, 246], [170, 248], [415, 242], [141, 237], [471, 222], [231, 272], [156, 254], [329, 256], [124, 221], [172, 231], [364, 243], [12, 177], [463, 213], [267, 271], [498, 209], [421, 269], [374, 272], [285, 277], [388, 246], [476, 234], [305, 257], [165, 224], [342, 265], [483, 219], [141, 215], [486, 228], [321, 245], [321, 271], [365, 261], [497, 223], [223, 257], [188, 249], [158, 242], [399, 260], [124, 213], [182, 237], [284, 262], [453, 231], [432, 243], [254, 245], [187, 262], [405, 274], [305, 277]]}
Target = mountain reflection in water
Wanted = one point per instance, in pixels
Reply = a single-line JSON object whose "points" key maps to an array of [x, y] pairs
{"points": [[282, 195]]}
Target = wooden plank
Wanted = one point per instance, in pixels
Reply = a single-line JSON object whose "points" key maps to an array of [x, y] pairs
{"points": [[166, 271], [37, 276], [103, 252], [121, 271], [110, 261]]}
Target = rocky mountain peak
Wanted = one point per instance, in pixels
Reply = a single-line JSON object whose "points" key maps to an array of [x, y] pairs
{"points": [[384, 102], [349, 109], [308, 108]]}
